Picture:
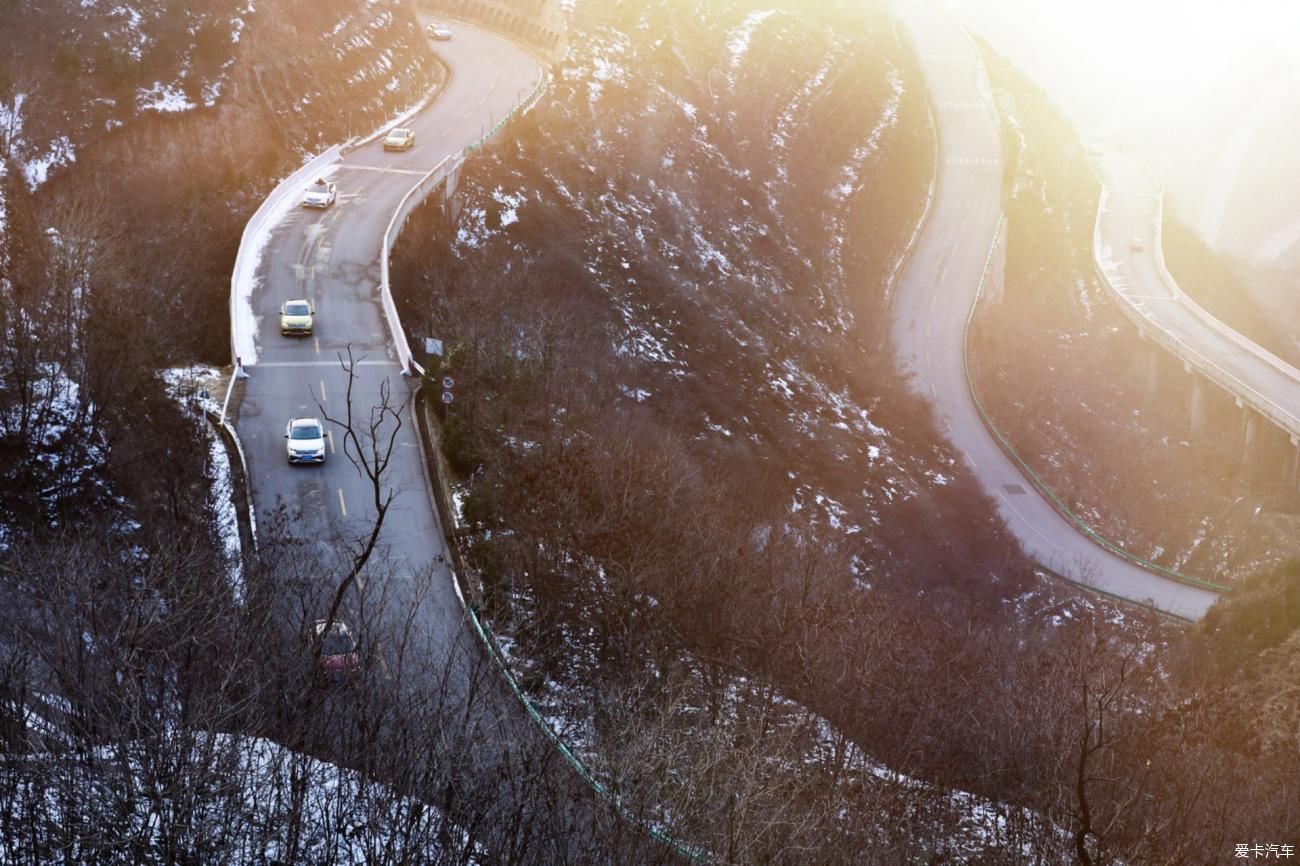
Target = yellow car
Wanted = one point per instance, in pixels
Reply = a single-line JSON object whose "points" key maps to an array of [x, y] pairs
{"points": [[296, 318], [400, 139]]}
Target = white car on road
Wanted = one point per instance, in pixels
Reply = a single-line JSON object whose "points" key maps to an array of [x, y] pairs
{"points": [[320, 194], [306, 440], [296, 318], [1137, 245], [438, 32]]}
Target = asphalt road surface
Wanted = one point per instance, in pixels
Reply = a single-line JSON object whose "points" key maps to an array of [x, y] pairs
{"points": [[936, 296], [1132, 211], [331, 257]]}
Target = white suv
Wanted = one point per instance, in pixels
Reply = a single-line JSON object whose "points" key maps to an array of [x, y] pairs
{"points": [[306, 440], [320, 194]]}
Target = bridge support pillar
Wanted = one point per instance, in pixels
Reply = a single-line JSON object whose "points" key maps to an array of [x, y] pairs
{"points": [[451, 208], [1198, 404], [1249, 430]]}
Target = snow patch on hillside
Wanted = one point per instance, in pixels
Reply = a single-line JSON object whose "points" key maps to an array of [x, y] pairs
{"points": [[886, 121], [738, 39], [510, 203], [166, 98], [606, 63], [61, 152], [195, 387], [339, 817], [130, 31]]}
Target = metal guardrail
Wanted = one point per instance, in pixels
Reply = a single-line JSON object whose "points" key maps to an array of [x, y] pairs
{"points": [[1183, 350], [414, 196], [1213, 322]]}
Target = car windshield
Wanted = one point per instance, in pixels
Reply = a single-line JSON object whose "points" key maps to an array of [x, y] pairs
{"points": [[401, 133], [336, 644], [296, 309], [319, 186], [305, 431]]}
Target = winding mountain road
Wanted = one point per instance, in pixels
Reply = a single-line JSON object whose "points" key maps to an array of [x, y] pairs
{"points": [[935, 299], [332, 258], [485, 741]]}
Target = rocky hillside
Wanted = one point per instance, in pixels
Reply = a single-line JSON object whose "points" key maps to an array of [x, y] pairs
{"points": [[86, 74], [699, 493], [714, 220]]}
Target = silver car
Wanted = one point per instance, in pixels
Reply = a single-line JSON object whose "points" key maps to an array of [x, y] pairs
{"points": [[306, 440], [320, 194]]}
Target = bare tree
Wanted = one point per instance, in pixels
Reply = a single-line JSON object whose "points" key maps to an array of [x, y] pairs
{"points": [[369, 443]]}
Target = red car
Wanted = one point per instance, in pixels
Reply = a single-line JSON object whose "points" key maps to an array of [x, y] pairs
{"points": [[339, 658]]}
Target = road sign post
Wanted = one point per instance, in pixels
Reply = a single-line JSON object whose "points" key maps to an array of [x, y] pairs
{"points": [[447, 397]]}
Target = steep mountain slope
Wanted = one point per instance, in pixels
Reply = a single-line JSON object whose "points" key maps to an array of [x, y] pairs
{"points": [[692, 476], [82, 69], [718, 218]]}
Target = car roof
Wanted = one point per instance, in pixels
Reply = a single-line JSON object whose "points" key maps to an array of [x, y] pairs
{"points": [[296, 301], [303, 422], [401, 130], [338, 626]]}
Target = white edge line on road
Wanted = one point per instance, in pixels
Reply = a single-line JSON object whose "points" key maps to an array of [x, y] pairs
{"points": [[329, 434], [382, 169], [362, 363], [343, 506]]}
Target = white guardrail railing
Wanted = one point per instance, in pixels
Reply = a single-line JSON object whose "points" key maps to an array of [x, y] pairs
{"points": [[1183, 350]]}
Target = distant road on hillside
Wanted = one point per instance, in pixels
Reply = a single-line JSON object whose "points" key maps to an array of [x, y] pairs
{"points": [[936, 297]]}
